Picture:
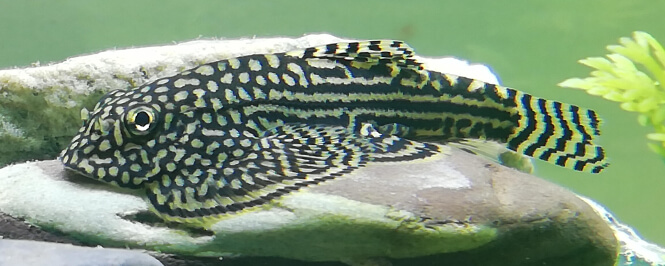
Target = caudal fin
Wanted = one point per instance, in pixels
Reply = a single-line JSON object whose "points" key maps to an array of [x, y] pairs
{"points": [[558, 133]]}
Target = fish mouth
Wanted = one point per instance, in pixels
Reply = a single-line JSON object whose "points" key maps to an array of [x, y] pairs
{"points": [[75, 169], [76, 175], [68, 159]]}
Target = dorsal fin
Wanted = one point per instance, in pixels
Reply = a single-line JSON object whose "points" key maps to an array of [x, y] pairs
{"points": [[376, 51]]}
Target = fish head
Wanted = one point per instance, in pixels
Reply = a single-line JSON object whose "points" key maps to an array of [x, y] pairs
{"points": [[113, 143]]}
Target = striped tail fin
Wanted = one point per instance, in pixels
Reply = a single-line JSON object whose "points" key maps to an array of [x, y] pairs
{"points": [[559, 133]]}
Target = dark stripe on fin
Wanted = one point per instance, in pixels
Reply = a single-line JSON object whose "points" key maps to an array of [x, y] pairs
{"points": [[558, 133], [383, 51]]}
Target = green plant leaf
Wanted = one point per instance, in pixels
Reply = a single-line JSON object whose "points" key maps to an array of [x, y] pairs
{"points": [[633, 74]]}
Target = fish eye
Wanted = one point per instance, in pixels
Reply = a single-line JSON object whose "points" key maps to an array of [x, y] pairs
{"points": [[141, 120]]}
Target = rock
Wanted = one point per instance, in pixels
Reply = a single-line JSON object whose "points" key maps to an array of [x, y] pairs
{"points": [[634, 251], [456, 209], [27, 253]]}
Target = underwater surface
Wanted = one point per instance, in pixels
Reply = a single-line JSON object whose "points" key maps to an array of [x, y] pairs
{"points": [[531, 46]]}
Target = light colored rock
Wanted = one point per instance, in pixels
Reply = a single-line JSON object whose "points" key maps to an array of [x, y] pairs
{"points": [[40, 193], [33, 253], [123, 68], [459, 203], [634, 249]]}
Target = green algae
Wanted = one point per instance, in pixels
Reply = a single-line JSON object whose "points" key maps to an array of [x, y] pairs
{"points": [[517, 161], [38, 124], [369, 240], [320, 227], [339, 237]]}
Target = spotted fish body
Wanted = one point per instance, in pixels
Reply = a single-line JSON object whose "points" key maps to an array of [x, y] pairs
{"points": [[236, 134]]}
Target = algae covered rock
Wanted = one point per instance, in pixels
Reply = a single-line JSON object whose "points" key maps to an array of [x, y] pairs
{"points": [[42, 253], [456, 208]]}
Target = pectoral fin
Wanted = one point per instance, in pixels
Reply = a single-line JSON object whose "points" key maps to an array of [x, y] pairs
{"points": [[283, 160]]}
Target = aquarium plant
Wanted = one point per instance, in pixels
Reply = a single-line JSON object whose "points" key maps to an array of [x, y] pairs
{"points": [[634, 75]]}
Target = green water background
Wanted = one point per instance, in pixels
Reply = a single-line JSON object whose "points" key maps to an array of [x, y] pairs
{"points": [[530, 44]]}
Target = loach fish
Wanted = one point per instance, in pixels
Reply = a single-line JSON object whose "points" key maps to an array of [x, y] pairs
{"points": [[236, 134]]}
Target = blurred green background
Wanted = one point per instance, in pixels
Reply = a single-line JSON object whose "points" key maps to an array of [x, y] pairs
{"points": [[530, 44]]}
